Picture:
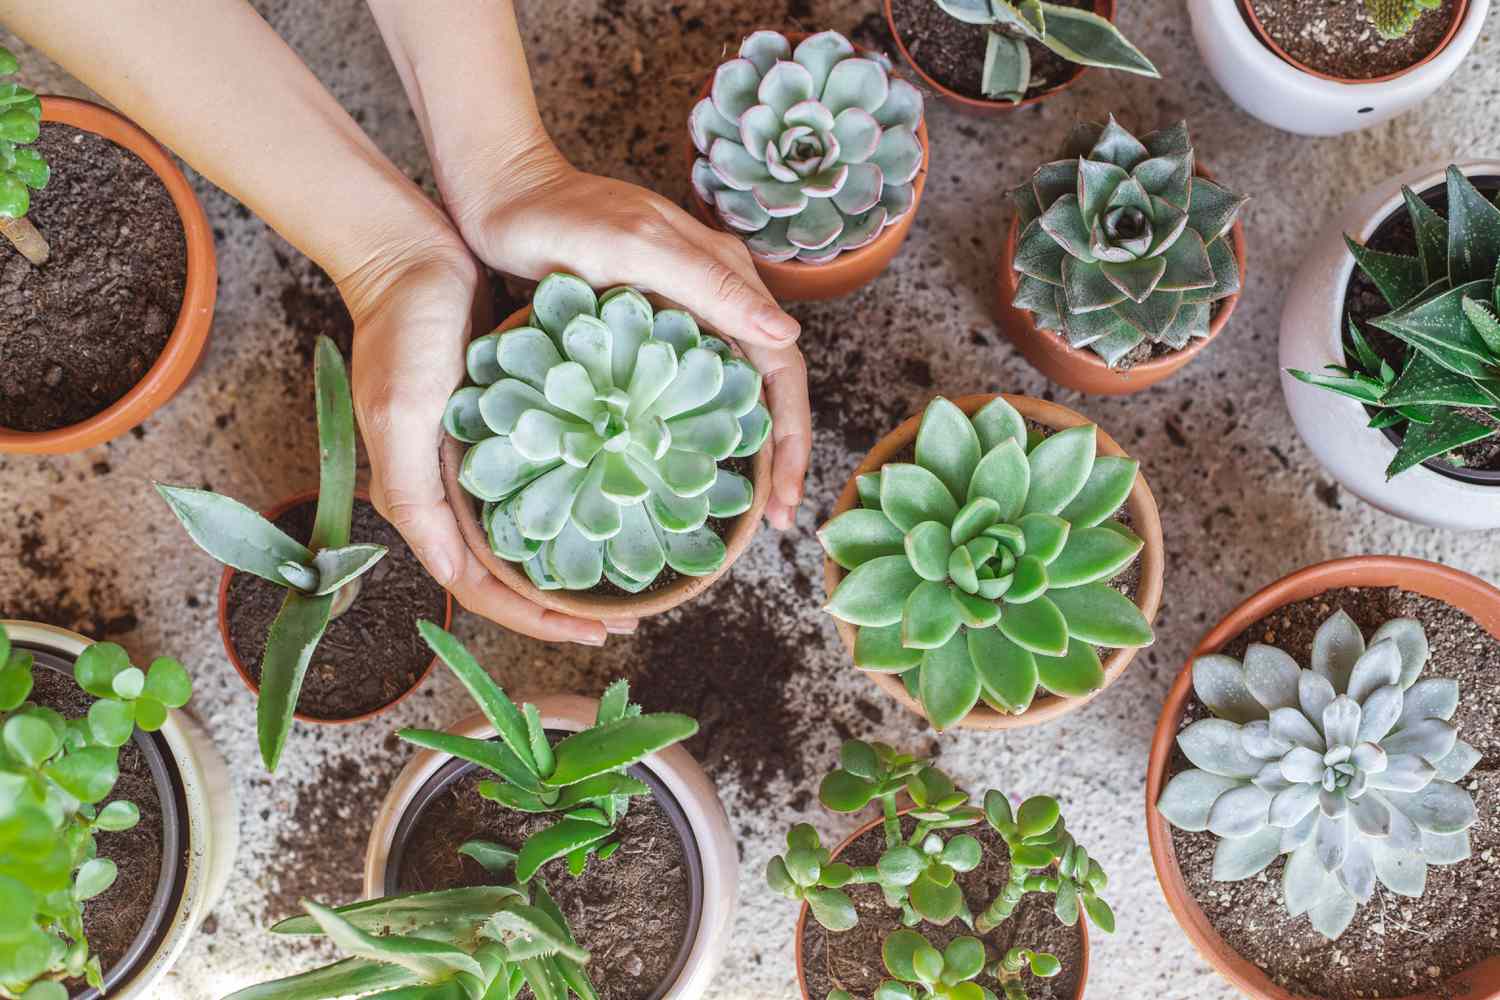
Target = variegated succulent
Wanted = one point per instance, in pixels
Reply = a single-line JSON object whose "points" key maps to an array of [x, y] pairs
{"points": [[1122, 243], [596, 434], [980, 570], [806, 152], [1394, 18], [1349, 768]]}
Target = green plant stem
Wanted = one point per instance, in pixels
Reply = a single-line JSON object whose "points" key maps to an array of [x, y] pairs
{"points": [[26, 238], [1005, 903], [892, 822]]}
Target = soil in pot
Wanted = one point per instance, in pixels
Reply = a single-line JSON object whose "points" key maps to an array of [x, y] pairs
{"points": [[1396, 946], [1336, 37], [952, 51], [79, 332], [850, 960], [371, 654]]}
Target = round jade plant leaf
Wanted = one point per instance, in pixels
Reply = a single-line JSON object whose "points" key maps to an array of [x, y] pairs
{"points": [[118, 815], [96, 667], [899, 953], [111, 722], [1037, 815], [843, 792], [96, 875], [963, 959], [30, 739], [832, 908]]}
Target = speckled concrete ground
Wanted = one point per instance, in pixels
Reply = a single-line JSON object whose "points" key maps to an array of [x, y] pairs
{"points": [[85, 543]]}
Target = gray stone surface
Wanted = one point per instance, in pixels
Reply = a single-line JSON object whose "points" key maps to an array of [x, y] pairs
{"points": [[86, 544]]}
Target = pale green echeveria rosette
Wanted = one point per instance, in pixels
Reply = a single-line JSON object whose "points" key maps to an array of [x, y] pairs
{"points": [[981, 570], [1349, 768], [1122, 244], [596, 434], [806, 153]]}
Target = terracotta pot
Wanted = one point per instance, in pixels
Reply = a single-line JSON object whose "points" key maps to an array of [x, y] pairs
{"points": [[1146, 523], [234, 657], [601, 607], [1264, 36], [802, 917], [796, 281], [984, 107], [1467, 593], [189, 335], [1083, 370], [676, 778]]}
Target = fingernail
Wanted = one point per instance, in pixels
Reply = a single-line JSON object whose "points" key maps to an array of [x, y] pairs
{"points": [[594, 640], [442, 568], [776, 324], [623, 626]]}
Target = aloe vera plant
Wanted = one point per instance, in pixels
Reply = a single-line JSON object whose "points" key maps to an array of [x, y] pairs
{"points": [[581, 778], [55, 775], [979, 571], [22, 169], [321, 578]]}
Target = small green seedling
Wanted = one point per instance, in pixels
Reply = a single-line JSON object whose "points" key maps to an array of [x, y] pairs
{"points": [[22, 169], [921, 971], [322, 578]]}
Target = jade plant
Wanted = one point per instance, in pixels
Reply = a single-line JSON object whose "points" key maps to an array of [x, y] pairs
{"points": [[55, 775], [980, 569], [581, 778], [1444, 390], [1350, 768], [1122, 244], [22, 169], [321, 578], [1079, 36], [1396, 18], [806, 153], [596, 434], [917, 873]]}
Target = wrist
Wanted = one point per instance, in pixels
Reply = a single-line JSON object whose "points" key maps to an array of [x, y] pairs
{"points": [[494, 183], [422, 245]]}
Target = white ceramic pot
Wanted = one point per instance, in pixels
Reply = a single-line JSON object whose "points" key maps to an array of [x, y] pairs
{"points": [[1285, 97], [211, 821], [676, 770], [1334, 426]]}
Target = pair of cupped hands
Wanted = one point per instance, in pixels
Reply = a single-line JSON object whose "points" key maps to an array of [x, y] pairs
{"points": [[416, 308]]}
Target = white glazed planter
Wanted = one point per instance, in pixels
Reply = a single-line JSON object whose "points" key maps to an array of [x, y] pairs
{"points": [[211, 816], [1334, 426], [674, 767], [1283, 96]]}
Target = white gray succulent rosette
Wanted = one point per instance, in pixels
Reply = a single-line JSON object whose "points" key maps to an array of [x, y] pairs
{"points": [[1350, 768]]}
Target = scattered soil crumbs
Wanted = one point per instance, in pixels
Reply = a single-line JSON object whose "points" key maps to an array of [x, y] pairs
{"points": [[312, 307], [631, 912], [49, 592], [1395, 946], [80, 331], [371, 654], [851, 961], [1336, 37], [952, 51]]}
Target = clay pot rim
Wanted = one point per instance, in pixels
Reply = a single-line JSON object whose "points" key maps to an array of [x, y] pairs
{"points": [[581, 603], [194, 318], [805, 912], [1147, 524], [1247, 8], [1418, 575], [986, 106], [271, 514]]}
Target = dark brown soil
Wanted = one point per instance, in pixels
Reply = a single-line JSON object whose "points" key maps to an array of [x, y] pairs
{"points": [[952, 51], [631, 912], [1395, 946], [80, 331], [1336, 37], [371, 654], [851, 961]]}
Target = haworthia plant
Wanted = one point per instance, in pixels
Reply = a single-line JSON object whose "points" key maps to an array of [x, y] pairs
{"points": [[1396, 18], [1445, 392], [22, 168], [1079, 36], [806, 152], [596, 434], [321, 578], [1350, 768], [55, 775], [582, 778], [1122, 244], [981, 569]]}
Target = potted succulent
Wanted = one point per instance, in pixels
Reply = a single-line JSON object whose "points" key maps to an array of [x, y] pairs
{"points": [[989, 56], [594, 800], [815, 156], [1122, 262], [1314, 759], [1325, 67], [84, 366], [609, 458], [94, 747], [279, 599], [1391, 346], [884, 903], [976, 566]]}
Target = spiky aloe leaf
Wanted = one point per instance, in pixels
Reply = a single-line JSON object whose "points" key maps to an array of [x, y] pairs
{"points": [[293, 638]]}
